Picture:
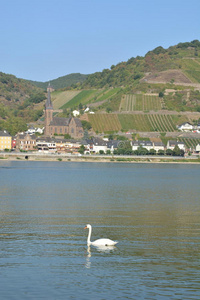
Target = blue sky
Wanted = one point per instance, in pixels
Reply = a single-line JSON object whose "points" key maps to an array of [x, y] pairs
{"points": [[43, 40]]}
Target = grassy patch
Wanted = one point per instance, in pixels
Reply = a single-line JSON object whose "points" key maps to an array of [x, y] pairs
{"points": [[83, 97]]}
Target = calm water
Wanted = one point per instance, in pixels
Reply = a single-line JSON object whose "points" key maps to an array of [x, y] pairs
{"points": [[153, 210]]}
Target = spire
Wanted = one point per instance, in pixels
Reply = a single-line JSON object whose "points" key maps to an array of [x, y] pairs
{"points": [[48, 104]]}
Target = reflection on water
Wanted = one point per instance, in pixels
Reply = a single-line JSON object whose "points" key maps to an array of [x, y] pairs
{"points": [[152, 210], [101, 249]]}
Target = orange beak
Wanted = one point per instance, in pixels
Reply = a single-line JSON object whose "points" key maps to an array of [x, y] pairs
{"points": [[85, 227]]}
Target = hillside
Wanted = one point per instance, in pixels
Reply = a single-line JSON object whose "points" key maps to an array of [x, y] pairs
{"points": [[154, 93], [62, 82], [184, 57], [17, 100]]}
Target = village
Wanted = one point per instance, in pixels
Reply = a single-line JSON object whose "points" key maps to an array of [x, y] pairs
{"points": [[51, 139], [30, 142]]}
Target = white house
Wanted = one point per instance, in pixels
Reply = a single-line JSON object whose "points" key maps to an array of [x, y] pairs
{"points": [[75, 113], [98, 145], [46, 145], [87, 109], [39, 130], [171, 144], [33, 130], [186, 126], [145, 144], [158, 146], [198, 148]]}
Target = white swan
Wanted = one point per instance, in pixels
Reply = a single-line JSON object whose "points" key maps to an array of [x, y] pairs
{"points": [[99, 242]]}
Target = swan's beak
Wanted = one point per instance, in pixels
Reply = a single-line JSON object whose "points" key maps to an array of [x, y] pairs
{"points": [[85, 227]]}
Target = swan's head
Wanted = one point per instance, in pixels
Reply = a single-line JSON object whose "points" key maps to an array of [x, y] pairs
{"points": [[88, 226]]}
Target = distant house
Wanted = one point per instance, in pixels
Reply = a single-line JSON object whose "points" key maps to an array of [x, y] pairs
{"points": [[5, 140], [46, 145], [158, 146], [33, 130], [186, 126], [76, 113], [112, 145], [26, 142], [99, 144], [172, 143], [145, 144], [197, 148]]}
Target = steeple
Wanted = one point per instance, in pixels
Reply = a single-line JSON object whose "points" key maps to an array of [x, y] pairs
{"points": [[48, 114], [48, 104]]}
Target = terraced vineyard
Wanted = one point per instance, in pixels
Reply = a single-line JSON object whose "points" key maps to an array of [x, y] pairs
{"points": [[140, 102], [137, 122], [162, 123], [104, 122]]}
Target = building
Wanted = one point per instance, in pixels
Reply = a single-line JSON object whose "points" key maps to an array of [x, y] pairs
{"points": [[5, 140], [99, 145], [171, 145], [26, 142], [186, 126], [144, 144], [158, 146], [197, 148], [50, 88], [46, 144], [61, 126]]}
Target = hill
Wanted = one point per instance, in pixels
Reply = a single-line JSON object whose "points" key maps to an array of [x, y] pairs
{"points": [[152, 93], [17, 100], [184, 57], [62, 82]]}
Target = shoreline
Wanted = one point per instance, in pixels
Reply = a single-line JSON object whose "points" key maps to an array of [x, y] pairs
{"points": [[98, 158]]}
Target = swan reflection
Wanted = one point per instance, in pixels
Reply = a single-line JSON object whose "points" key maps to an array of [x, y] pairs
{"points": [[104, 249], [88, 262]]}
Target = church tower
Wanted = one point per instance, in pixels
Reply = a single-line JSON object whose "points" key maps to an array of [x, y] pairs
{"points": [[48, 115]]}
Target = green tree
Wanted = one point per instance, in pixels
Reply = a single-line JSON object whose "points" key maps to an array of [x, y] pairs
{"points": [[142, 151], [67, 136], [169, 152], [152, 152], [161, 152], [177, 151], [108, 152], [108, 109], [81, 149], [161, 95], [86, 125]]}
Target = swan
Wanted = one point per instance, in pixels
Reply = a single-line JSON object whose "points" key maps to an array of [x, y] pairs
{"points": [[99, 242]]}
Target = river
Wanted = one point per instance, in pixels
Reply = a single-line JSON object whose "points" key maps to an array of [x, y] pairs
{"points": [[153, 210]]}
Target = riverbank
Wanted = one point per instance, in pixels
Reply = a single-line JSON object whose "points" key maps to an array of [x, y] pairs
{"points": [[96, 158]]}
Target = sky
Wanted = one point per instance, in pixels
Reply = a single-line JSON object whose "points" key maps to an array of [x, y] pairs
{"points": [[42, 40]]}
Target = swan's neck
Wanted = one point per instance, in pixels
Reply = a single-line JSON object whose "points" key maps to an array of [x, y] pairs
{"points": [[89, 236]]}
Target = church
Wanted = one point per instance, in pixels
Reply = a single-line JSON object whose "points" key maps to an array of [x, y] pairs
{"points": [[61, 126]]}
